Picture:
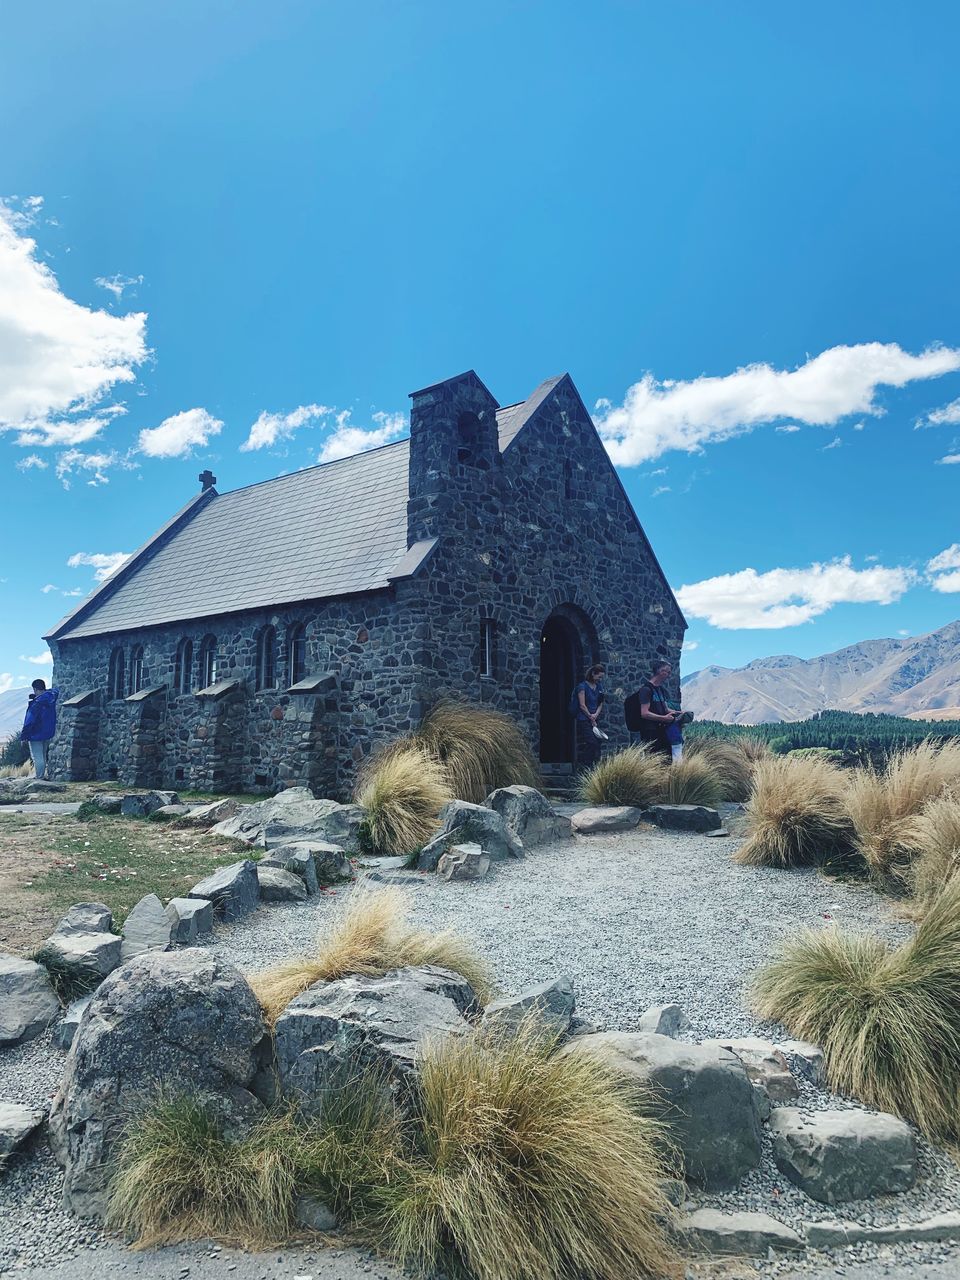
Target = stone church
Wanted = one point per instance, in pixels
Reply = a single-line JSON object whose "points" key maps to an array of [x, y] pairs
{"points": [[277, 634]]}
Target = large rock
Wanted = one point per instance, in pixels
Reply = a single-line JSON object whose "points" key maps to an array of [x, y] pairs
{"points": [[464, 862], [741, 1234], [107, 803], [330, 861], [662, 1020], [464, 823], [804, 1057], [843, 1155], [529, 815], [552, 1002], [294, 815], [65, 1031], [704, 1095], [766, 1066], [82, 960], [612, 817], [16, 1125], [335, 1028], [205, 815], [169, 812], [86, 917], [234, 890], [146, 928], [141, 806], [683, 817], [831, 1234], [28, 1003], [189, 919], [277, 885], [185, 1021], [298, 860]]}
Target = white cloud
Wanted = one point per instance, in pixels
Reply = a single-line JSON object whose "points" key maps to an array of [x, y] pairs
{"points": [[32, 460], [103, 564], [48, 588], [658, 416], [835, 443], [661, 488], [271, 427], [688, 646], [117, 284], [41, 660], [788, 597], [7, 681], [346, 439], [790, 429], [947, 582], [903, 632], [68, 430], [177, 436], [948, 414], [949, 460], [949, 558], [57, 357], [76, 461]]}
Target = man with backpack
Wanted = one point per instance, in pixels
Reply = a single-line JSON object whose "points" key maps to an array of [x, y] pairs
{"points": [[40, 724], [647, 715]]}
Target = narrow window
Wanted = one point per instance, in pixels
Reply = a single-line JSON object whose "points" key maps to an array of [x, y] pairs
{"points": [[267, 658], [136, 669], [115, 683], [183, 667], [208, 661], [296, 654], [568, 479], [468, 432], [487, 643]]}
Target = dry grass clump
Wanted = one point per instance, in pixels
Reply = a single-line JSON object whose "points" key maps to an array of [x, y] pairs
{"points": [[402, 790], [797, 816], [882, 802], [531, 1164], [369, 934], [24, 770], [931, 839], [693, 781], [752, 749], [478, 748], [633, 776], [517, 1161], [178, 1177], [733, 769], [888, 1020]]}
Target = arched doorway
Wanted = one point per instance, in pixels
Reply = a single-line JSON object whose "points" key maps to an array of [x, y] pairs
{"points": [[561, 666]]}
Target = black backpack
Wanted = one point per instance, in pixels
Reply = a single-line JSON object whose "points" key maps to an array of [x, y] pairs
{"points": [[631, 712]]}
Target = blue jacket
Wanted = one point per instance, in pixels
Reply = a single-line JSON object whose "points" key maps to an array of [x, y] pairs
{"points": [[40, 722]]}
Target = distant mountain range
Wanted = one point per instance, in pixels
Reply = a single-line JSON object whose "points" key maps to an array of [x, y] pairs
{"points": [[917, 676], [13, 706]]}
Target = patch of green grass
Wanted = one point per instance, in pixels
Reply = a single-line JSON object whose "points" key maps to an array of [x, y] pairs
{"points": [[118, 860]]}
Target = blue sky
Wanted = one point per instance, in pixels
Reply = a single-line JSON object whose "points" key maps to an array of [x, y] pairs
{"points": [[299, 213]]}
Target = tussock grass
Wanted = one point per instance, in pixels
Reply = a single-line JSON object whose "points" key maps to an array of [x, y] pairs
{"points": [[931, 839], [370, 934], [633, 776], [178, 1177], [733, 769], [797, 816], [888, 1020], [478, 748], [693, 781], [882, 803], [24, 770], [402, 790], [753, 749], [530, 1164]]}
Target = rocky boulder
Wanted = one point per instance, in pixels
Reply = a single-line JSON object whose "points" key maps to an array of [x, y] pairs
{"points": [[65, 1031], [81, 951], [16, 1125], [277, 885], [234, 891], [683, 817], [529, 815], [843, 1155], [146, 928], [741, 1234], [662, 1020], [205, 815], [189, 919], [552, 1002], [703, 1094], [334, 1028], [28, 1003], [212, 1029], [463, 862], [765, 1065], [464, 823], [141, 806], [612, 817], [169, 812], [107, 803], [86, 917], [294, 815]]}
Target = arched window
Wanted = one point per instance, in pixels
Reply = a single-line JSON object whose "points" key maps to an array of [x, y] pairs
{"points": [[267, 658], [136, 669], [296, 654], [183, 667], [468, 433], [208, 661], [115, 684]]}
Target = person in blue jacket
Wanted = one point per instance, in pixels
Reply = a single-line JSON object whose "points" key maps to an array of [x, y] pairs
{"points": [[40, 724]]}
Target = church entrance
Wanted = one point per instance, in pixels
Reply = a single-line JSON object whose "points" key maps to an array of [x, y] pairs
{"points": [[561, 667]]}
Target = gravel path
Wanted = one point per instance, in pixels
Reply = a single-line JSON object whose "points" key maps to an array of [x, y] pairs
{"points": [[635, 919]]}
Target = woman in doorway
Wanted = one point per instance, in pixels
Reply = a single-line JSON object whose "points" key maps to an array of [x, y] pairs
{"points": [[589, 700], [655, 716]]}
